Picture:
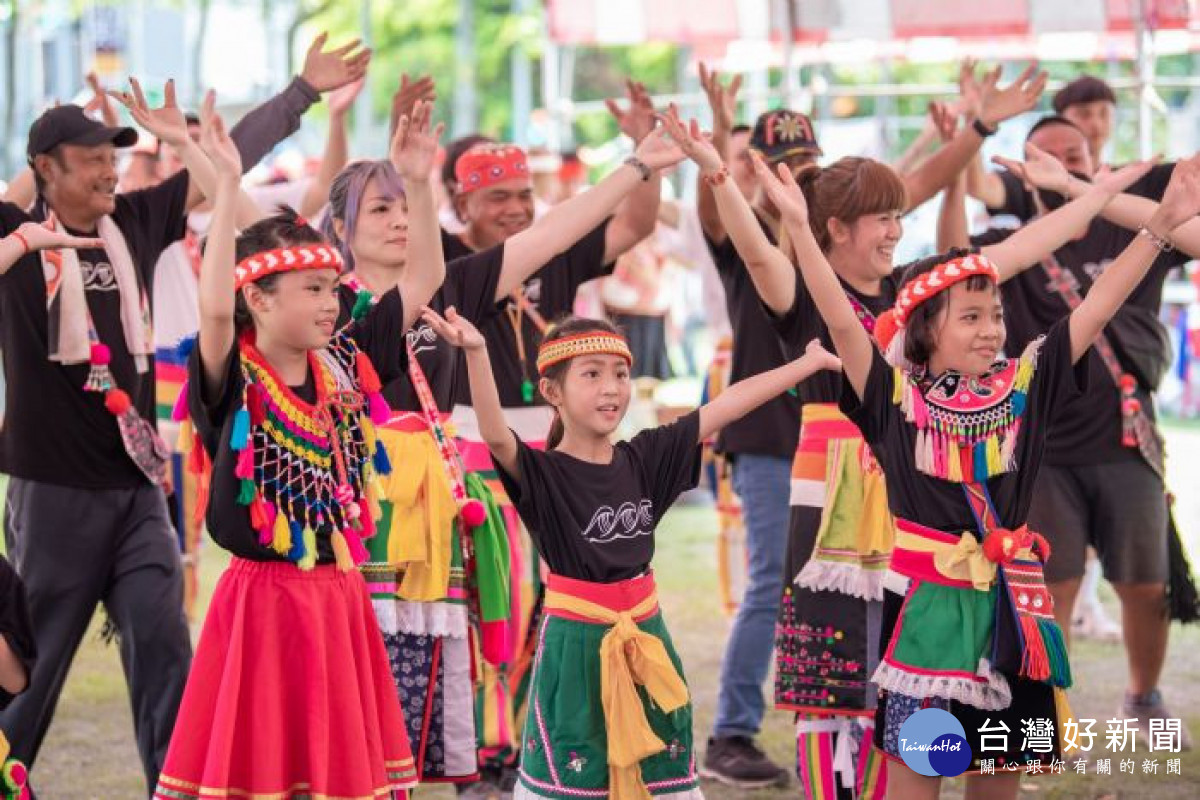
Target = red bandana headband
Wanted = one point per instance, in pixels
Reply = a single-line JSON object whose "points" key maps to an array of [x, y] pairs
{"points": [[927, 285], [486, 165], [582, 344], [286, 259]]}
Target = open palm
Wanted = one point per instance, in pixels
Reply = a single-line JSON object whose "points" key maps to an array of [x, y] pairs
{"points": [[783, 190], [415, 143], [691, 141], [167, 123], [455, 329]]}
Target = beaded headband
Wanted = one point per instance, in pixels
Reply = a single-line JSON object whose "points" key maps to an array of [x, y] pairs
{"points": [[928, 285], [286, 259], [582, 344]]}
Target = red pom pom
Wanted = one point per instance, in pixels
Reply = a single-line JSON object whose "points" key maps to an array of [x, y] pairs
{"points": [[474, 513], [886, 328], [1000, 545], [1128, 382], [256, 405], [117, 402], [378, 409], [100, 356]]}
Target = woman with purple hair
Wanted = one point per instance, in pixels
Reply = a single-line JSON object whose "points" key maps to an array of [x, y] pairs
{"points": [[439, 572]]}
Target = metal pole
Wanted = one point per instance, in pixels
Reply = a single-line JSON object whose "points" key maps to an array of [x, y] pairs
{"points": [[551, 95], [522, 83], [1145, 80], [465, 106], [364, 126]]}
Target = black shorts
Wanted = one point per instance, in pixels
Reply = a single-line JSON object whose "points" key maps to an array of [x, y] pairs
{"points": [[1119, 508]]}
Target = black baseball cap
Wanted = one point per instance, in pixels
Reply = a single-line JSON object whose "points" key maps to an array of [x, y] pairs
{"points": [[67, 124], [780, 134]]}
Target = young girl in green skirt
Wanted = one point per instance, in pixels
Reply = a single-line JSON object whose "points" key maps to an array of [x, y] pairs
{"points": [[609, 712]]}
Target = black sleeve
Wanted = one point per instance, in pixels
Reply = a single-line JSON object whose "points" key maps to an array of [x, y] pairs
{"points": [[471, 283], [380, 334], [1018, 202], [584, 260], [16, 623], [159, 215], [875, 414], [11, 218], [799, 324], [268, 124], [1056, 380], [1154, 183], [209, 410], [531, 484], [671, 457], [724, 255]]}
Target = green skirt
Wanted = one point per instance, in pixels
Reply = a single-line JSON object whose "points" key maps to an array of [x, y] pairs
{"points": [[564, 752]]}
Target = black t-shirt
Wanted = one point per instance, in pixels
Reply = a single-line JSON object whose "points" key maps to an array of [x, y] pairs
{"points": [[16, 624], [470, 286], [54, 431], [453, 246], [773, 429], [940, 504], [229, 522], [1087, 430], [551, 291], [802, 323], [596, 522]]}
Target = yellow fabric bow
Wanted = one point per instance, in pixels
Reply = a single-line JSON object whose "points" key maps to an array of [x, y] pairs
{"points": [[965, 561]]}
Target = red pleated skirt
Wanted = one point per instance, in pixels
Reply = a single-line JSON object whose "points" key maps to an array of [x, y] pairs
{"points": [[290, 694]]}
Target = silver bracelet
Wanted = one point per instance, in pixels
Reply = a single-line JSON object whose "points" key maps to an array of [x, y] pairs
{"points": [[1161, 242], [640, 166]]}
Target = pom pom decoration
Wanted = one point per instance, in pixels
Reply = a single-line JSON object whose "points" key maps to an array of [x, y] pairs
{"points": [[886, 328], [179, 411], [474, 513], [100, 355], [362, 304], [117, 402]]}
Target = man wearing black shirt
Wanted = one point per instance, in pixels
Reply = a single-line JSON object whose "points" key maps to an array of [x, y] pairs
{"points": [[1096, 490], [83, 523]]}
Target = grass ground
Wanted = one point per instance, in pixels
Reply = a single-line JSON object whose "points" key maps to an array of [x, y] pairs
{"points": [[90, 752]]}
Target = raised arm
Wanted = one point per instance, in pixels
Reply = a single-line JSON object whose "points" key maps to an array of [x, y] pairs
{"points": [[952, 230], [413, 150], [772, 273], [569, 221], [722, 100], [1180, 202], [995, 106], [1041, 237], [217, 293], [746, 395], [638, 213], [33, 237], [850, 339], [337, 148], [485, 398]]}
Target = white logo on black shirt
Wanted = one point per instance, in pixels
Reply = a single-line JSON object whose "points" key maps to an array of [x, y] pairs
{"points": [[628, 521], [422, 339], [98, 277], [532, 291]]}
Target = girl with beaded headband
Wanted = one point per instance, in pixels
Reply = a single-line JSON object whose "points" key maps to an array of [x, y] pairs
{"points": [[591, 507], [439, 570], [290, 690], [968, 625], [839, 540]]}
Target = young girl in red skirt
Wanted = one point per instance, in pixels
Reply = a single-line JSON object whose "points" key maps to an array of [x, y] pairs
{"points": [[290, 693]]}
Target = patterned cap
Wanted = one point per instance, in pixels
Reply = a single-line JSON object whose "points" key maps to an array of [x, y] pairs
{"points": [[783, 133], [487, 164]]}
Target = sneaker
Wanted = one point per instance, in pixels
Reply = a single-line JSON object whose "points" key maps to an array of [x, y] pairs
{"points": [[737, 761], [1151, 706], [1091, 621]]}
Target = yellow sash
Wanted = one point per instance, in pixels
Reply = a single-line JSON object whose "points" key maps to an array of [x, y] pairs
{"points": [[628, 656]]}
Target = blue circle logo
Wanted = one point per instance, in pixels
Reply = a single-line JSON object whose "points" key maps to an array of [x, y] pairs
{"points": [[933, 743]]}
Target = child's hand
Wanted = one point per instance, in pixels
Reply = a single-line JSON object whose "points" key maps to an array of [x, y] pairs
{"points": [[820, 358], [38, 237], [215, 141], [455, 329], [783, 190]]}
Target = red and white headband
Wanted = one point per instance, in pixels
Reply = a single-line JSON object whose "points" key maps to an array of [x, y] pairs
{"points": [[928, 285], [286, 259]]}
